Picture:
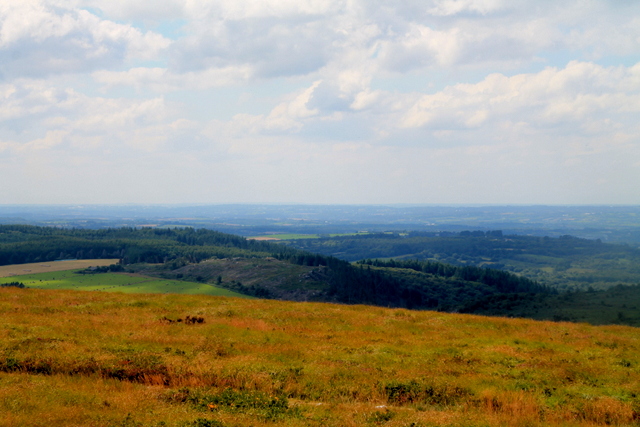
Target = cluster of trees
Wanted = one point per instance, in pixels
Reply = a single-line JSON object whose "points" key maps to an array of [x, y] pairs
{"points": [[565, 262], [473, 244], [21, 244], [501, 280], [12, 285], [113, 268], [410, 284], [414, 284]]}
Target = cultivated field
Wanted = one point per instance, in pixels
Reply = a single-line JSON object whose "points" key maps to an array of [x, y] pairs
{"points": [[115, 282], [43, 267], [112, 359]]}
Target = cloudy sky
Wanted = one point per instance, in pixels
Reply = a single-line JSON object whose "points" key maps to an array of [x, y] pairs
{"points": [[320, 101]]}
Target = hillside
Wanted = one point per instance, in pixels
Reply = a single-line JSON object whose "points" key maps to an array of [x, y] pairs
{"points": [[563, 263], [616, 305], [204, 261], [112, 359], [257, 268], [111, 282]]}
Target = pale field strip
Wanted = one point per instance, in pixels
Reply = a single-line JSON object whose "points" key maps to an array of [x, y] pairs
{"points": [[44, 267]]}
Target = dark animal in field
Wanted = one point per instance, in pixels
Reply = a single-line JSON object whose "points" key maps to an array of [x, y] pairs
{"points": [[189, 320]]}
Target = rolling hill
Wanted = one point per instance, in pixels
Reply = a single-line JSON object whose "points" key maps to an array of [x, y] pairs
{"points": [[113, 359]]}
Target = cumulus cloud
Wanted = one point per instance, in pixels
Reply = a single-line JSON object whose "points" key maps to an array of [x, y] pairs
{"points": [[576, 96], [275, 38], [162, 80], [350, 99], [583, 99], [38, 39], [35, 116]]}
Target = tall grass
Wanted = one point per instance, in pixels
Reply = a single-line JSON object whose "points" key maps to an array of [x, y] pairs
{"points": [[98, 359]]}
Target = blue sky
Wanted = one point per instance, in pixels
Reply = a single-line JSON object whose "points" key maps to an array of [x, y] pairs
{"points": [[320, 101]]}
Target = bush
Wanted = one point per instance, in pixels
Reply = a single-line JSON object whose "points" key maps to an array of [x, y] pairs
{"points": [[203, 422], [400, 393], [13, 285], [265, 405]]}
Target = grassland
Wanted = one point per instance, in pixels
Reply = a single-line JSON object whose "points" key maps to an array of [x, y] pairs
{"points": [[299, 236], [115, 282], [44, 267], [114, 359], [284, 236]]}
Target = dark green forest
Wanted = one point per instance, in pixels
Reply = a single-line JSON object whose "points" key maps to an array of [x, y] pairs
{"points": [[564, 263]]}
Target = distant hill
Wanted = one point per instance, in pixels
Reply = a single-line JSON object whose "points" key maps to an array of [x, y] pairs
{"points": [[276, 271], [564, 263], [257, 268]]}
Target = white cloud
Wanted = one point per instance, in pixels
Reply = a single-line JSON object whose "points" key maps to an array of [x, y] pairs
{"points": [[248, 41], [454, 7], [38, 39], [575, 96], [163, 80], [321, 100], [37, 117]]}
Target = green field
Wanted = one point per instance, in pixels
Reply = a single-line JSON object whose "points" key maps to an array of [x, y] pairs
{"points": [[284, 236], [293, 236], [115, 282]]}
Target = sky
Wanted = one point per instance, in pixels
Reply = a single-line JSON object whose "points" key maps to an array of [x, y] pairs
{"points": [[320, 101]]}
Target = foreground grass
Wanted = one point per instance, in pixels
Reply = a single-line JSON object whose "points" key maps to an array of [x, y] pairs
{"points": [[115, 282], [112, 359]]}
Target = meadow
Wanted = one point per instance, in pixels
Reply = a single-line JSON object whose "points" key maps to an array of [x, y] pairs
{"points": [[115, 282], [300, 236], [70, 358]]}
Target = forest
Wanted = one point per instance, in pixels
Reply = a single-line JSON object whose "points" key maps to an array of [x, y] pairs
{"points": [[166, 252], [564, 263]]}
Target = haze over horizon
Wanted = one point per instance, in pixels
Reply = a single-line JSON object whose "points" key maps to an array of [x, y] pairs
{"points": [[320, 102]]}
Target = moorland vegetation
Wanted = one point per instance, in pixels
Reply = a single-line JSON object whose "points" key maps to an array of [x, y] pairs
{"points": [[115, 359]]}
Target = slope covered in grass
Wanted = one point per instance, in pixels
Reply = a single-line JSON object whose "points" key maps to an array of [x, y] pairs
{"points": [[113, 359], [115, 282]]}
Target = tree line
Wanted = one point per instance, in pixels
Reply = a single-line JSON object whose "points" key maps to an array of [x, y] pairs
{"points": [[409, 284]]}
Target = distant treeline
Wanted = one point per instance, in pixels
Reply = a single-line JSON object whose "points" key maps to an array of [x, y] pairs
{"points": [[398, 284], [501, 280], [491, 245], [434, 286], [564, 263], [21, 244]]}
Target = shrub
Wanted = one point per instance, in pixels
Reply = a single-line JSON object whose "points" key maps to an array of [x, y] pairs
{"points": [[13, 285], [267, 406], [203, 422], [400, 393]]}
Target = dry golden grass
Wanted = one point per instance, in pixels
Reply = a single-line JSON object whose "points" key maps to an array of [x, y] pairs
{"points": [[97, 359], [44, 267]]}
